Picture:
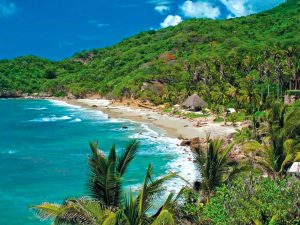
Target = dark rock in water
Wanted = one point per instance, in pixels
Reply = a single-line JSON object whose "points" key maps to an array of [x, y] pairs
{"points": [[94, 106], [124, 127]]}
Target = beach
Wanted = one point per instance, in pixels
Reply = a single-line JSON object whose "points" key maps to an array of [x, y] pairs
{"points": [[173, 126]]}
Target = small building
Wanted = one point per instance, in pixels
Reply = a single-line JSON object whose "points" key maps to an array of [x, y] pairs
{"points": [[194, 103], [295, 169]]}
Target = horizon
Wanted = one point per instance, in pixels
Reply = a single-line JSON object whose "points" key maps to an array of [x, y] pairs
{"points": [[57, 30]]}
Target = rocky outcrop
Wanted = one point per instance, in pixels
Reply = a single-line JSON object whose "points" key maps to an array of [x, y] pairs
{"points": [[193, 143]]}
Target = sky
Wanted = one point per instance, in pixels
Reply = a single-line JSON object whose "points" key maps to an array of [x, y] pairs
{"points": [[56, 29]]}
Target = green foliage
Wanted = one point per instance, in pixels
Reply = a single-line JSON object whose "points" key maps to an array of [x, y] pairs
{"points": [[214, 164], [195, 115], [219, 119], [293, 92], [237, 117], [255, 200], [192, 207], [107, 172], [280, 146]]}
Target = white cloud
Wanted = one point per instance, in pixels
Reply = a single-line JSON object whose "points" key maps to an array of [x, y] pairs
{"points": [[245, 7], [171, 20], [161, 8], [237, 7], [200, 9], [7, 8], [229, 16]]}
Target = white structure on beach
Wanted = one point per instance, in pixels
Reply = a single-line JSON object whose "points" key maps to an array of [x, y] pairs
{"points": [[295, 168]]}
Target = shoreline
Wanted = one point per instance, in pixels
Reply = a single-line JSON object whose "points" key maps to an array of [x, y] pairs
{"points": [[172, 126]]}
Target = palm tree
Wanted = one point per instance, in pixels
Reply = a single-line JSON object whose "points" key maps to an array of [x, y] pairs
{"points": [[106, 173], [275, 154], [136, 210], [74, 211], [281, 147], [215, 165], [105, 205]]}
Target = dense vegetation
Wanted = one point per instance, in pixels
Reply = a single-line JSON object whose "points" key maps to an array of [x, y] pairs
{"points": [[242, 63]]}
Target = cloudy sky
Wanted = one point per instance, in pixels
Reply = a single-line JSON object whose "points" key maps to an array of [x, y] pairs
{"points": [[56, 29]]}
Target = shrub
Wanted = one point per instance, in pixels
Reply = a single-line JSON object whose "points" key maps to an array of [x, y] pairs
{"points": [[256, 200]]}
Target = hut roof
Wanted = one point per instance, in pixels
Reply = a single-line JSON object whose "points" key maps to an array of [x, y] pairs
{"points": [[194, 101], [295, 168]]}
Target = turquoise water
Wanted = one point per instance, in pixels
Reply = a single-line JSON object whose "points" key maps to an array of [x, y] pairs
{"points": [[44, 149]]}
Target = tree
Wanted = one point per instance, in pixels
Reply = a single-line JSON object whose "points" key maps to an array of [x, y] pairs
{"points": [[107, 172], [215, 165], [281, 147], [255, 200]]}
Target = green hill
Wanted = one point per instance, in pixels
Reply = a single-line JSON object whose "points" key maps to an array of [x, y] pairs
{"points": [[240, 62]]}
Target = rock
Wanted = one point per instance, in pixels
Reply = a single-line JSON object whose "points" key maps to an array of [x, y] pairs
{"points": [[124, 127], [195, 142], [185, 143], [94, 106]]}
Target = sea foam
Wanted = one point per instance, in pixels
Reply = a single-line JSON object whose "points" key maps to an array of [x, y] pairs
{"points": [[182, 164], [51, 119]]}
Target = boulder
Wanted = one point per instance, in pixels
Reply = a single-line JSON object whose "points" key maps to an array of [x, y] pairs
{"points": [[185, 143]]}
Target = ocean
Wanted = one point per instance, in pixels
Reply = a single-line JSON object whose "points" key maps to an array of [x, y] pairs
{"points": [[44, 147]]}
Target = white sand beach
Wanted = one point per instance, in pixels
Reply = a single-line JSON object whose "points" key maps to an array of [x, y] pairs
{"points": [[173, 126]]}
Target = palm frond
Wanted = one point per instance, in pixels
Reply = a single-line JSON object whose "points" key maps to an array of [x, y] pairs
{"points": [[127, 156], [164, 218], [104, 182]]}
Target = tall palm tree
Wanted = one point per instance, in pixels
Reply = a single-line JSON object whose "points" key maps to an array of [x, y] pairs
{"points": [[105, 205], [214, 164]]}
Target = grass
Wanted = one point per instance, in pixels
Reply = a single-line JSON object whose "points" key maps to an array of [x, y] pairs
{"points": [[237, 117], [167, 110], [196, 115], [219, 119]]}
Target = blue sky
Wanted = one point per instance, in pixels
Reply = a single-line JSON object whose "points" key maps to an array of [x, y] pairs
{"points": [[56, 29]]}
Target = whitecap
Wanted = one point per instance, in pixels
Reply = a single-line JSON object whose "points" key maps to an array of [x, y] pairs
{"points": [[51, 119], [76, 120], [10, 152], [62, 103], [38, 109], [114, 120]]}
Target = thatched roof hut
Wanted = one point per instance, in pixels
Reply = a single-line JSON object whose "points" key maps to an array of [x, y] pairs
{"points": [[194, 102]]}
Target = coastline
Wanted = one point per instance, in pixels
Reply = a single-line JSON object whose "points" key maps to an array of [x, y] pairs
{"points": [[174, 127]]}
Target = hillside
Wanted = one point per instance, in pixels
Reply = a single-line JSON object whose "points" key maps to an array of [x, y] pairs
{"points": [[240, 62]]}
